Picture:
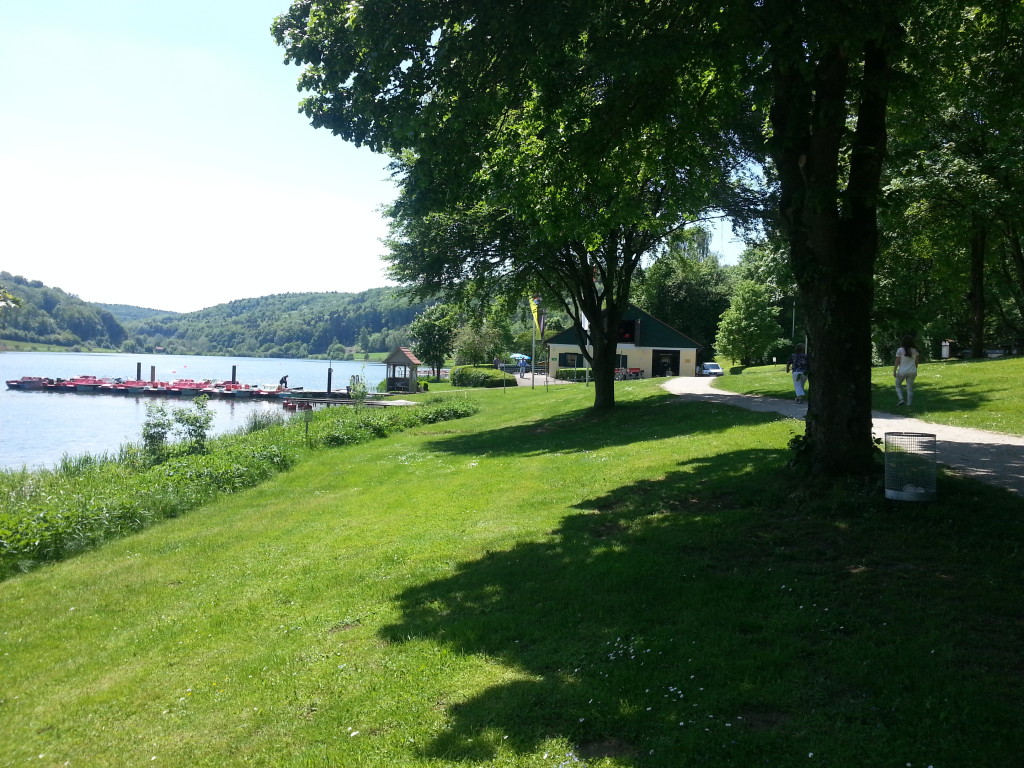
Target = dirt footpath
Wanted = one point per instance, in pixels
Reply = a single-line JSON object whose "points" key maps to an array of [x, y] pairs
{"points": [[989, 456]]}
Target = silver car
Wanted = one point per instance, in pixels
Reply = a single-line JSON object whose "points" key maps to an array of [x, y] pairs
{"points": [[710, 369]]}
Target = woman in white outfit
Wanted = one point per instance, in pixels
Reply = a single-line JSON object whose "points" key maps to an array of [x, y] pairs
{"points": [[905, 369]]}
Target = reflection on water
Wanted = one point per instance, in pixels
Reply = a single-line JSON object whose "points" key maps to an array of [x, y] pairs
{"points": [[38, 428]]}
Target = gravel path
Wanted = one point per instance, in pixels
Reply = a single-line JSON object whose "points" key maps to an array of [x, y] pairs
{"points": [[990, 456]]}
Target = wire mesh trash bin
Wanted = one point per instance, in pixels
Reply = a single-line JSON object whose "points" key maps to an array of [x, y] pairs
{"points": [[909, 466]]}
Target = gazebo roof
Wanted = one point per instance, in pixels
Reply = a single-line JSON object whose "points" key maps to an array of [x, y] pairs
{"points": [[402, 356]]}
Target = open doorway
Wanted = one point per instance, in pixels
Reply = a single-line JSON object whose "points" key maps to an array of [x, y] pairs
{"points": [[665, 362]]}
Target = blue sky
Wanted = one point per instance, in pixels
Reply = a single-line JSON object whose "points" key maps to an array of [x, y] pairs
{"points": [[151, 153]]}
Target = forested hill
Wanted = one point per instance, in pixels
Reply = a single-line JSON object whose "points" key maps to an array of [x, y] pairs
{"points": [[286, 325], [282, 325], [51, 316], [126, 313]]}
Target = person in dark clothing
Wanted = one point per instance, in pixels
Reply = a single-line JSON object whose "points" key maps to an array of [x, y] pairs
{"points": [[798, 363]]}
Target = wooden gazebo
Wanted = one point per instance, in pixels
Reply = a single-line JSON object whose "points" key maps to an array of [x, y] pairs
{"points": [[402, 370]]}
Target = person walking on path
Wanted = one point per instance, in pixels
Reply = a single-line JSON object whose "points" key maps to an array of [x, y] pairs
{"points": [[905, 370], [798, 363], [992, 457]]}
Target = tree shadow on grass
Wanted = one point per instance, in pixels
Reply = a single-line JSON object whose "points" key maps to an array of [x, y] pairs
{"points": [[708, 619], [654, 418]]}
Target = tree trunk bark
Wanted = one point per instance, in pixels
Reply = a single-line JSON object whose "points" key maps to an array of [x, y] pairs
{"points": [[1016, 276], [600, 282], [976, 292], [833, 238], [604, 341]]}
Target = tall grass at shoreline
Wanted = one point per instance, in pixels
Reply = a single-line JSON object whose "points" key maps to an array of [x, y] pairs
{"points": [[51, 514], [536, 585]]}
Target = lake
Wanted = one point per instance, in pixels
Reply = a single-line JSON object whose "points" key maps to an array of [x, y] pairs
{"points": [[38, 428]]}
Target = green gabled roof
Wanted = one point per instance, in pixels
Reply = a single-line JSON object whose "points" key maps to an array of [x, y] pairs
{"points": [[651, 332]]}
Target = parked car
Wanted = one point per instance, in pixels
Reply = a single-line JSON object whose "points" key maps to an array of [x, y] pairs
{"points": [[710, 369]]}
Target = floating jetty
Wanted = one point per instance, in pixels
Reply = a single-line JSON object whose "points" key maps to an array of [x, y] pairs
{"points": [[293, 398], [175, 388], [153, 386]]}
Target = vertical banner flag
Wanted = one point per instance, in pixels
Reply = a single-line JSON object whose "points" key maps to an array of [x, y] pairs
{"points": [[535, 309]]}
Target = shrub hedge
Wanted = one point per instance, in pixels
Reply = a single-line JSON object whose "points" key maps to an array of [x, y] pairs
{"points": [[573, 374], [480, 376]]}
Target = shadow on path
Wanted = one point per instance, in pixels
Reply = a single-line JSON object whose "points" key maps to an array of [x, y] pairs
{"points": [[988, 456]]}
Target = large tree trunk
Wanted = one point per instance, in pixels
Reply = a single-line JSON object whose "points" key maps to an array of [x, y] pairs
{"points": [[604, 378], [603, 344], [603, 300], [1015, 269], [976, 292], [833, 238]]}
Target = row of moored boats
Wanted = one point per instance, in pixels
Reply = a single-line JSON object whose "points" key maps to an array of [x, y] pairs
{"points": [[179, 387]]}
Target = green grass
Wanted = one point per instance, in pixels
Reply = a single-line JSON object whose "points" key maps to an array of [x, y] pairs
{"points": [[536, 585], [49, 515], [982, 394]]}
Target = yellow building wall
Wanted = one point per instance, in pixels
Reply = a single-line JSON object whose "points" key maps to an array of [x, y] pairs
{"points": [[636, 357]]}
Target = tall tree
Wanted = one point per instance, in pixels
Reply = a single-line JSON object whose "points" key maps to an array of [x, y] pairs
{"points": [[581, 102], [749, 328], [433, 332], [958, 185], [552, 144], [685, 286], [828, 70]]}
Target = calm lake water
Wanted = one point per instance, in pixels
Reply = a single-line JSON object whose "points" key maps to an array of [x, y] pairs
{"points": [[38, 428]]}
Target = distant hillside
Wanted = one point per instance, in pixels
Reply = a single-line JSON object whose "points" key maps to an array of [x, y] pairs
{"points": [[282, 325], [286, 325], [126, 313], [52, 316]]}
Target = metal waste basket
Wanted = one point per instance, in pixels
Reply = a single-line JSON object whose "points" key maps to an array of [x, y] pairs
{"points": [[909, 466]]}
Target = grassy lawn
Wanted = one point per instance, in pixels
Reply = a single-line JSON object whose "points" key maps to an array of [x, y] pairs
{"points": [[535, 585], [983, 394]]}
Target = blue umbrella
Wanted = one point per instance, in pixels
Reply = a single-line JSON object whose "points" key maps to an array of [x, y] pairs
{"points": [[518, 356]]}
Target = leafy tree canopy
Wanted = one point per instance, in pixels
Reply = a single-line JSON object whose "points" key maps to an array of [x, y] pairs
{"points": [[552, 172], [685, 286], [433, 332], [749, 328]]}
